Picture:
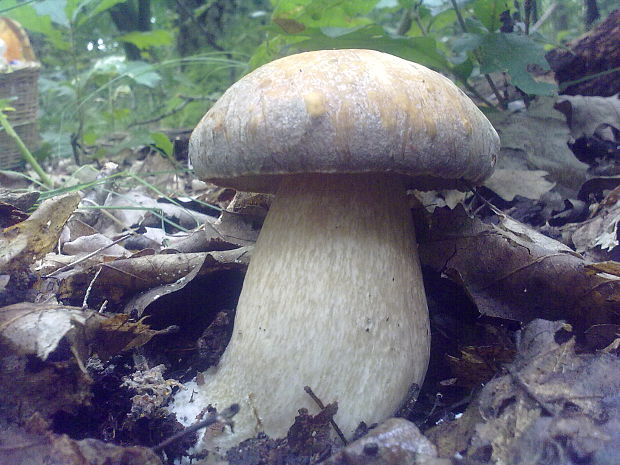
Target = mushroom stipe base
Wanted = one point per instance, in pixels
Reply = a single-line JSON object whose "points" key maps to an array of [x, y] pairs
{"points": [[333, 299]]}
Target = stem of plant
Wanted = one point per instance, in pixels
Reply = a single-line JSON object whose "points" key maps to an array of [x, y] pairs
{"points": [[500, 99], [24, 150]]}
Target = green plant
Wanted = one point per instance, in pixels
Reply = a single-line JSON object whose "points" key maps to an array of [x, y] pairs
{"points": [[461, 39], [26, 154]]}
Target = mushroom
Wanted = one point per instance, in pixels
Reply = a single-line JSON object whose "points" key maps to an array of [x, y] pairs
{"points": [[333, 297]]}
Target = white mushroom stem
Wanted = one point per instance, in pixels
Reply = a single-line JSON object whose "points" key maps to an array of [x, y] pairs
{"points": [[333, 299]]}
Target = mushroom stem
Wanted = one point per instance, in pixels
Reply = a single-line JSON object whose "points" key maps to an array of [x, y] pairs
{"points": [[333, 299]]}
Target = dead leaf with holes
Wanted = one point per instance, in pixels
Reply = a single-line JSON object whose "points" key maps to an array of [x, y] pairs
{"points": [[25, 242]]}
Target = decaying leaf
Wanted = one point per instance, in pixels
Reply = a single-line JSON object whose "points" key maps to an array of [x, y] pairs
{"points": [[39, 329], [23, 243], [120, 279], [509, 183], [587, 116], [116, 334], [601, 229], [396, 441], [20, 200], [476, 365], [10, 215], [307, 440], [552, 405], [537, 140], [29, 385], [152, 391], [511, 271], [22, 446]]}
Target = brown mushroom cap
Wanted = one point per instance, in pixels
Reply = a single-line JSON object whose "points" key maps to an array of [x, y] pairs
{"points": [[343, 111]]}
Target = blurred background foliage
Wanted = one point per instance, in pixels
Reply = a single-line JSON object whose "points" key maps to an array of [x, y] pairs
{"points": [[135, 67]]}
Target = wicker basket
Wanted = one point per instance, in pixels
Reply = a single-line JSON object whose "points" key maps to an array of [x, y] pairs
{"points": [[18, 85], [10, 156]]}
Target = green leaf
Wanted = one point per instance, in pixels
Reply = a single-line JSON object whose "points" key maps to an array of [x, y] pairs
{"points": [[271, 49], [31, 20], [443, 20], [142, 73], [463, 70], [296, 15], [144, 40], [162, 143], [55, 9], [89, 138], [488, 11], [422, 50], [474, 26], [101, 6], [467, 42], [513, 54]]}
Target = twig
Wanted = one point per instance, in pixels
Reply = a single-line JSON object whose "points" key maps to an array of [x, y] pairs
{"points": [[477, 94], [544, 17], [208, 35], [527, 6], [90, 255], [186, 101], [224, 417], [546, 407], [322, 407], [498, 95], [459, 17], [89, 288]]}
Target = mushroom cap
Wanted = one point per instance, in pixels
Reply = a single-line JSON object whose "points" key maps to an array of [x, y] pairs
{"points": [[343, 111]]}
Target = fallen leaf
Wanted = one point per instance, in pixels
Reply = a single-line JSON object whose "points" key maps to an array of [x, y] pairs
{"points": [[601, 229], [396, 441], [530, 184], [587, 116], [537, 140], [552, 402], [123, 278], [511, 271], [19, 446], [23, 243]]}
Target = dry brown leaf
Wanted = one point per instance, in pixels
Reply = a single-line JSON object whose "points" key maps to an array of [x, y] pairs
{"points": [[600, 231], [552, 403], [39, 329], [511, 271], [123, 278], [396, 441], [508, 183], [10, 215], [591, 115], [22, 447], [537, 139], [23, 243]]}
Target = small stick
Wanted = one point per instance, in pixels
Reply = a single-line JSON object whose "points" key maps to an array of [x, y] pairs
{"points": [[90, 255], [90, 288], [322, 407], [224, 417]]}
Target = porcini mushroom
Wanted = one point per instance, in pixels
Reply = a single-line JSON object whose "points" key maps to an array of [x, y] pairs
{"points": [[333, 297]]}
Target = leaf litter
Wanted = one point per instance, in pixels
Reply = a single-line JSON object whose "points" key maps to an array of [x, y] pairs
{"points": [[117, 295]]}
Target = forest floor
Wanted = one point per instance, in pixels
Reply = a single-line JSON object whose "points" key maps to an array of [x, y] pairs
{"points": [[122, 286]]}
